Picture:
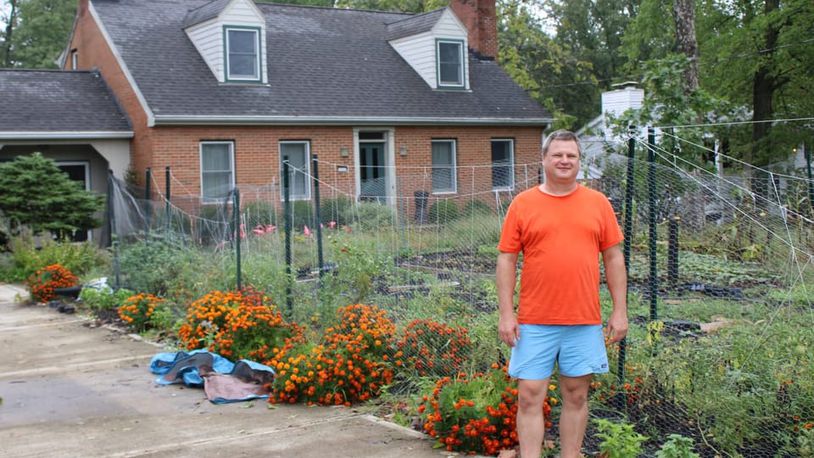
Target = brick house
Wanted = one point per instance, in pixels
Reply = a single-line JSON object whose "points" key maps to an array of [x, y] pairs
{"points": [[221, 91]]}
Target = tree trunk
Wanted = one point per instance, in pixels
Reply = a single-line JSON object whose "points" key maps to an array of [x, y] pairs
{"points": [[684, 16], [763, 88], [7, 36]]}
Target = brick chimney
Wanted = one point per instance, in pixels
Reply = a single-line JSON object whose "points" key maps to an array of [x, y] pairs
{"points": [[480, 19]]}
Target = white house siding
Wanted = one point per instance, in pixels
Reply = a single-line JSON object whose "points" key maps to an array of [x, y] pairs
{"points": [[419, 52], [448, 27], [208, 40], [208, 36], [243, 13]]}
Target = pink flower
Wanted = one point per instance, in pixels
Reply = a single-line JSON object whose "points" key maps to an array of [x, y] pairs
{"points": [[332, 224], [306, 231]]}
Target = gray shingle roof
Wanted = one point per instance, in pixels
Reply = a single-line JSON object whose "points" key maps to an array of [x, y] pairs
{"points": [[204, 12], [54, 101], [322, 62], [413, 25]]}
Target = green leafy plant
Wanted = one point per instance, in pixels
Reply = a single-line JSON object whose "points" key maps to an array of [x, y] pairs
{"points": [[619, 440], [36, 194], [677, 446], [104, 298], [27, 258], [443, 211]]}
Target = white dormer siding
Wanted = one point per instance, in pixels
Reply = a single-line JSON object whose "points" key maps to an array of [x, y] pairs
{"points": [[421, 50], [209, 38]]}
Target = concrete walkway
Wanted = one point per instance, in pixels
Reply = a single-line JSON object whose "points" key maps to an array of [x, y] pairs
{"points": [[71, 389]]}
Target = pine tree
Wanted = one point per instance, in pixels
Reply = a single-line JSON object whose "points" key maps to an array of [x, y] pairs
{"points": [[35, 193]]}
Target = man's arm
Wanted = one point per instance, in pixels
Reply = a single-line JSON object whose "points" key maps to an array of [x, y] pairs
{"points": [[617, 285], [506, 278]]}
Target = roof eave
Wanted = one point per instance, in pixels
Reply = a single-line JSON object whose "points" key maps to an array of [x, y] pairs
{"points": [[65, 135], [343, 120]]}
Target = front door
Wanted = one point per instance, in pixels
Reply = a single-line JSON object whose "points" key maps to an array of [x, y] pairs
{"points": [[372, 172]]}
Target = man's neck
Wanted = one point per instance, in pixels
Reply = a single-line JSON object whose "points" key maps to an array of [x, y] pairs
{"points": [[558, 189]]}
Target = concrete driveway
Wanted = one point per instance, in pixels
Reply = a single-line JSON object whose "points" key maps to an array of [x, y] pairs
{"points": [[71, 389]]}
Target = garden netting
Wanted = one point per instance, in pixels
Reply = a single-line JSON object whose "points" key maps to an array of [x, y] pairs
{"points": [[721, 282]]}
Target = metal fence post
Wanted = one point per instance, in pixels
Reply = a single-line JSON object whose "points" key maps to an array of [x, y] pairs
{"points": [[631, 149], [653, 235], [318, 221], [167, 196], [236, 214], [148, 197], [287, 216]]}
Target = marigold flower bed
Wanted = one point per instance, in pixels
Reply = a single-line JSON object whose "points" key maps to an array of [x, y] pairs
{"points": [[44, 281], [433, 348], [351, 364], [137, 310]]}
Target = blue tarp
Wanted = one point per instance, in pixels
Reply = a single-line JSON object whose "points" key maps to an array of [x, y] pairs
{"points": [[236, 382]]}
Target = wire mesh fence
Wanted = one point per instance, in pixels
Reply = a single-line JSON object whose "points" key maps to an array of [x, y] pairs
{"points": [[721, 281]]}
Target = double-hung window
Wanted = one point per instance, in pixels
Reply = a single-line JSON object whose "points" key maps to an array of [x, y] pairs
{"points": [[299, 168], [242, 53], [450, 55], [502, 164], [443, 167], [217, 170]]}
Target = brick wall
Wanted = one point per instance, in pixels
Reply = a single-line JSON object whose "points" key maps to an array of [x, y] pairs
{"points": [[94, 53]]}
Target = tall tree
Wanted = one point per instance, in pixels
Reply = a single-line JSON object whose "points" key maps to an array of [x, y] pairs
{"points": [[684, 16], [11, 21], [41, 32], [407, 6]]}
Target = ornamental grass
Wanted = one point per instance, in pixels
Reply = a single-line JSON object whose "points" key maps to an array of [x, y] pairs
{"points": [[239, 324], [350, 365], [434, 349], [44, 282], [475, 414], [138, 309]]}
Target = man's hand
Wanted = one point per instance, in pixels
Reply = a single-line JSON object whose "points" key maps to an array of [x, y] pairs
{"points": [[508, 330], [617, 326]]}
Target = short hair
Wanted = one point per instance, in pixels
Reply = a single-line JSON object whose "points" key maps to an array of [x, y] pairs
{"points": [[563, 135]]}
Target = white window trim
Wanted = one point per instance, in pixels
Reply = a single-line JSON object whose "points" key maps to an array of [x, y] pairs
{"points": [[210, 200], [74, 59], [462, 70], [511, 160], [307, 167], [258, 52], [454, 164]]}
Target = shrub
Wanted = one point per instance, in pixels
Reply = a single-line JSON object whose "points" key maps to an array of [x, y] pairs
{"points": [[370, 216], [443, 211], [104, 299], [474, 414], [350, 365], [238, 324], [303, 214], [214, 223], [79, 258], [619, 440], [336, 209], [433, 348], [677, 446], [258, 213], [35, 193], [44, 281], [137, 311], [477, 208]]}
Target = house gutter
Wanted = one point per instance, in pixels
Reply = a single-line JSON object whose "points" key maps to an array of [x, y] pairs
{"points": [[205, 120], [66, 135]]}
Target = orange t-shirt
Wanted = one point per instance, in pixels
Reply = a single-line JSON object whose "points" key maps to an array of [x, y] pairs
{"points": [[561, 238]]}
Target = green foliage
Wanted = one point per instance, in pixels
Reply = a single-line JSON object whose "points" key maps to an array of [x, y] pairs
{"points": [[36, 194], [619, 440], [407, 6], [339, 209], [352, 283], [40, 32], [370, 216], [477, 208], [26, 258], [677, 446], [805, 443], [102, 299], [443, 212]]}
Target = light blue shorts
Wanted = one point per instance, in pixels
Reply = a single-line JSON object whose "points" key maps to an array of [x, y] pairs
{"points": [[577, 350]]}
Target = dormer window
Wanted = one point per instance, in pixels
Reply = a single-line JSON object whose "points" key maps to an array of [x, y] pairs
{"points": [[450, 63], [242, 53]]}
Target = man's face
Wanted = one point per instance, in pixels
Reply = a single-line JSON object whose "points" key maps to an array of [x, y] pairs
{"points": [[561, 162]]}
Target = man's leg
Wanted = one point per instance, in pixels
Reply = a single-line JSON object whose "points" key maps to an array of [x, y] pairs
{"points": [[574, 416], [530, 421]]}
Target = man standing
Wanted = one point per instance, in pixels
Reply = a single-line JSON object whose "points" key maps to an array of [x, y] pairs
{"points": [[561, 228]]}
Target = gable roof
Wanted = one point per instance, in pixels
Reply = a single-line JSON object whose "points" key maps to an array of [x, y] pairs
{"points": [[54, 103], [324, 65], [413, 25], [204, 12]]}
